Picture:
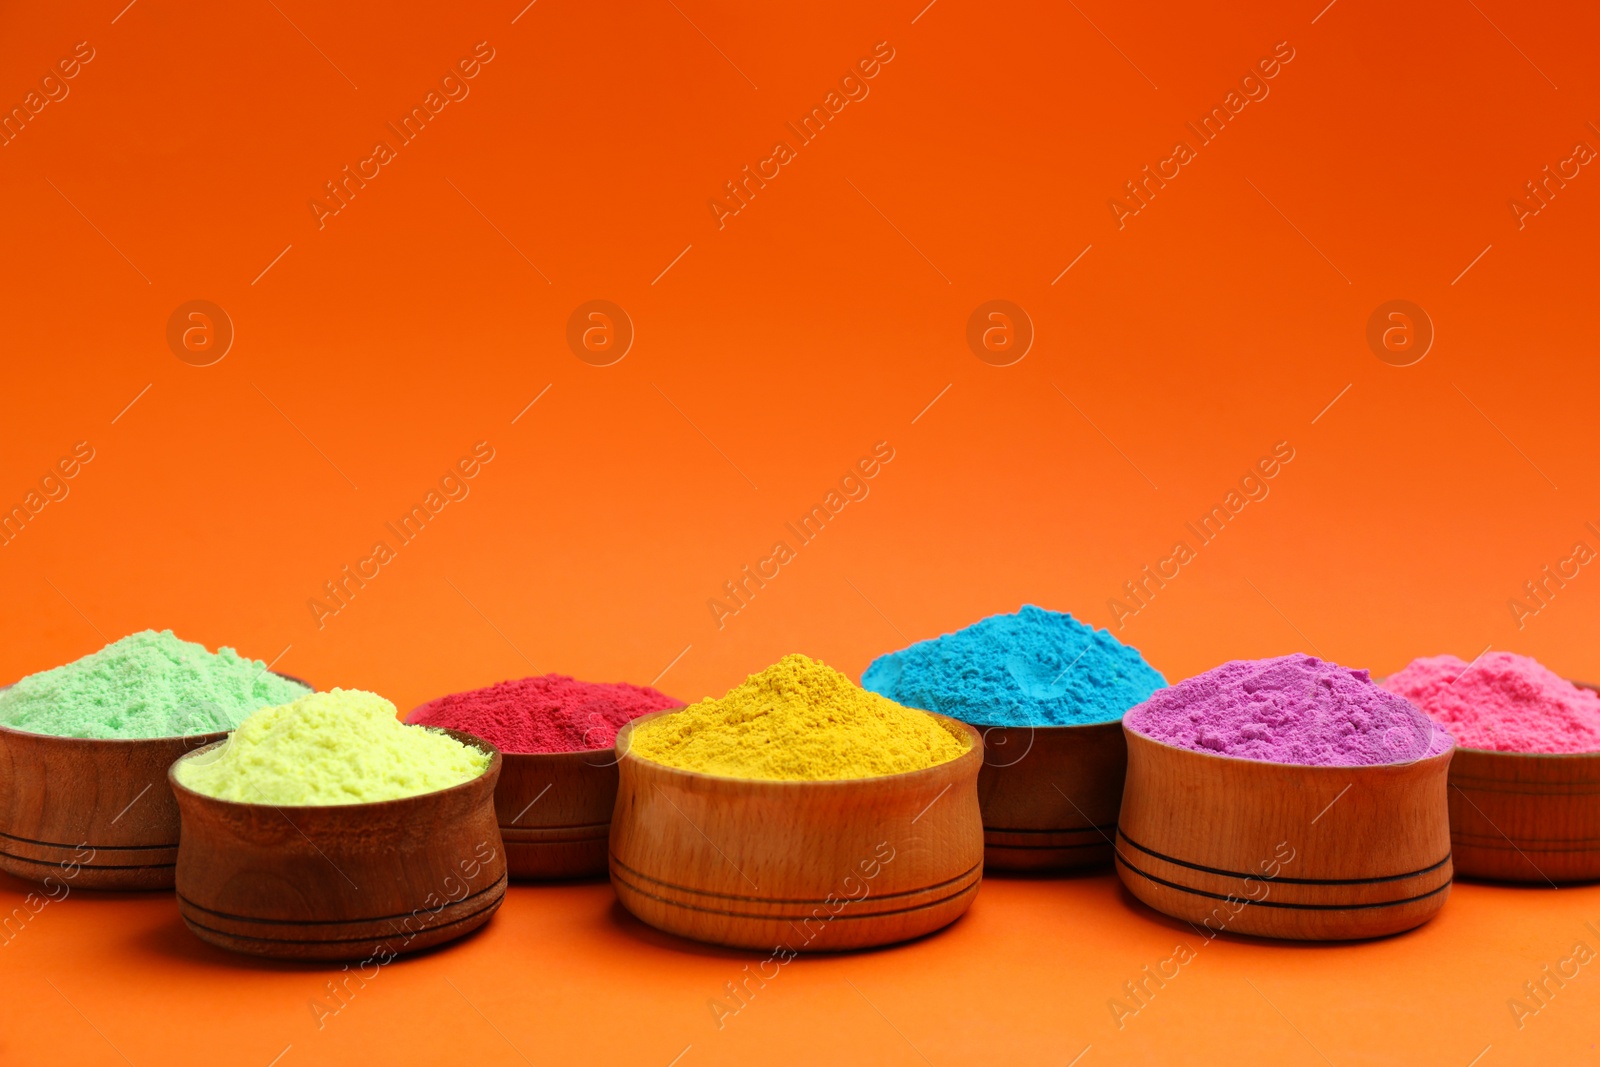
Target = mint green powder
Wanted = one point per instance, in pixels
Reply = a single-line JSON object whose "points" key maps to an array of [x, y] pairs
{"points": [[146, 685]]}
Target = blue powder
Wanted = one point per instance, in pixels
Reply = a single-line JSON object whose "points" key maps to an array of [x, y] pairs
{"points": [[1034, 668]]}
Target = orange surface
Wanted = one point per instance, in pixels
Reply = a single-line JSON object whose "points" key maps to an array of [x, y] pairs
{"points": [[768, 356]]}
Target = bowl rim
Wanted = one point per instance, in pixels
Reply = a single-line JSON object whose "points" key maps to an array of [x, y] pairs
{"points": [[1592, 754], [211, 735], [983, 728], [1321, 768], [198, 739], [308, 810], [974, 752], [545, 755]]}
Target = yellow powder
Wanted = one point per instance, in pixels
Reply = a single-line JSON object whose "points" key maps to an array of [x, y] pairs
{"points": [[798, 720], [339, 747]]}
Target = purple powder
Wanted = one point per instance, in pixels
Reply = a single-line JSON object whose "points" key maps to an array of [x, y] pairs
{"points": [[1292, 709]]}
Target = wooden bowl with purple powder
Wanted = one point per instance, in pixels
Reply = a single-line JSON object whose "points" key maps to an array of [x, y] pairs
{"points": [[1287, 798], [1520, 809], [558, 775]]}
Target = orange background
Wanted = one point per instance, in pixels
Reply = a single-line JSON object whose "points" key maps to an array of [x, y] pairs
{"points": [[773, 353]]}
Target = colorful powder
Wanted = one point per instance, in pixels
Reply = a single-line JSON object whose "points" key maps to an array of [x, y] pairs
{"points": [[146, 685], [339, 747], [1504, 703], [1033, 668], [1293, 709], [551, 713], [798, 720]]}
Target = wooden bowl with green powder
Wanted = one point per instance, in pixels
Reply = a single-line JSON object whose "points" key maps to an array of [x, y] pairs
{"points": [[84, 752], [327, 829], [798, 811]]}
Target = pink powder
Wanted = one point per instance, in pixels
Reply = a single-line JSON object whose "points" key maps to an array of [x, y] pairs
{"points": [[550, 713], [1504, 703], [1292, 709]]}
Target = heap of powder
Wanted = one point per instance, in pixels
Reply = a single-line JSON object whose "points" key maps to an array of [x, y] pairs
{"points": [[551, 713], [1504, 703], [798, 720], [146, 685], [341, 747], [1292, 709], [1033, 668]]}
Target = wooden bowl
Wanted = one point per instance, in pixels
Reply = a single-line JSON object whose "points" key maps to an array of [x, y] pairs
{"points": [[1050, 795], [810, 866], [95, 813], [1525, 817], [554, 810], [342, 881], [1284, 850]]}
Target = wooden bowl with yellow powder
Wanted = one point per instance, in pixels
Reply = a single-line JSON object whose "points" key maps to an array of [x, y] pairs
{"points": [[804, 813], [328, 878]]}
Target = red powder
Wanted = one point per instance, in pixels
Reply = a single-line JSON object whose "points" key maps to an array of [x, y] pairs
{"points": [[551, 713]]}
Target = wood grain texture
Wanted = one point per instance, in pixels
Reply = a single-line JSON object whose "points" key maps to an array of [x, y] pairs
{"points": [[1050, 795], [805, 866], [1525, 817], [93, 814], [1280, 850], [350, 881], [555, 812], [88, 813]]}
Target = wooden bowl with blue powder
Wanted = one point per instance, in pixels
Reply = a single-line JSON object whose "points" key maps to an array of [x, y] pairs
{"points": [[1047, 693], [84, 752]]}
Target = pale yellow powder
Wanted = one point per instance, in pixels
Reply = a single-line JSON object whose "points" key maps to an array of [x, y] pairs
{"points": [[339, 747]]}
